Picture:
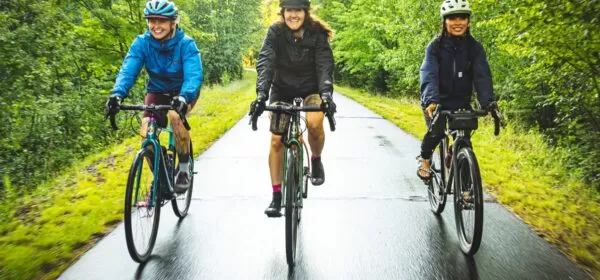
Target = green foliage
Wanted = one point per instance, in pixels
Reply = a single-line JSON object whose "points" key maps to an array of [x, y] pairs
{"points": [[544, 58], [229, 26], [58, 63], [523, 173], [56, 223]]}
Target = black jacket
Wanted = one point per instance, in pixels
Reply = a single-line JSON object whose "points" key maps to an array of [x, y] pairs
{"points": [[452, 66], [295, 66]]}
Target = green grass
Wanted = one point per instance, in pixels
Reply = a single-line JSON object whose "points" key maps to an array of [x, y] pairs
{"points": [[524, 174], [55, 225]]}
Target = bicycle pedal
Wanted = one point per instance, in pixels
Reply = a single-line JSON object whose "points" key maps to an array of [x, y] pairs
{"points": [[307, 171], [275, 215]]}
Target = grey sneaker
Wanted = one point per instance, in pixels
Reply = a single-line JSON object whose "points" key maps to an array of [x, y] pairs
{"points": [[318, 173], [182, 182]]}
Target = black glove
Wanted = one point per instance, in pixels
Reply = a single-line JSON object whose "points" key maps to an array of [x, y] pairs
{"points": [[257, 107], [112, 105], [490, 107], [179, 105], [328, 103]]}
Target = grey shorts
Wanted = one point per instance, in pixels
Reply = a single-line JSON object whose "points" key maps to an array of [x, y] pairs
{"points": [[279, 121]]}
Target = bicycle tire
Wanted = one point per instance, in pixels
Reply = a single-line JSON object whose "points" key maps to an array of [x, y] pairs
{"points": [[468, 201], [181, 202], [436, 187], [291, 214], [141, 208]]}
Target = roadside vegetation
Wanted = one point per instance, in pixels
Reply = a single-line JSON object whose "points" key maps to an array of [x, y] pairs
{"points": [[522, 172], [58, 222]]}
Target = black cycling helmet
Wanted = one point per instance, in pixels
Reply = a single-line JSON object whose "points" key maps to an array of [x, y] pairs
{"points": [[295, 4]]}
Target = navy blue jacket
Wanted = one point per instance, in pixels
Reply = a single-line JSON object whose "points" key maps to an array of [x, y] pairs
{"points": [[452, 66]]}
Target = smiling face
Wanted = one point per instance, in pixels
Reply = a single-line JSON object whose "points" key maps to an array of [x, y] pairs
{"points": [[294, 18], [160, 28], [457, 25]]}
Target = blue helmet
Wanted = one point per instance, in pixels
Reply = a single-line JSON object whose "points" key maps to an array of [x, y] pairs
{"points": [[161, 9]]}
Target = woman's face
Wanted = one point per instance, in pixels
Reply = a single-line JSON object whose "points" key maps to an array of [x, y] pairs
{"points": [[457, 25], [294, 18], [160, 28]]}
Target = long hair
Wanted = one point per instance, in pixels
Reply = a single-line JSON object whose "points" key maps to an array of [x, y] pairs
{"points": [[312, 22]]}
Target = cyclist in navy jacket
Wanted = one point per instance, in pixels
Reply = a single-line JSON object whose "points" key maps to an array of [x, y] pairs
{"points": [[173, 62], [454, 63]]}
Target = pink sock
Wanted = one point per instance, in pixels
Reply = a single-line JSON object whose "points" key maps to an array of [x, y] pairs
{"points": [[277, 188]]}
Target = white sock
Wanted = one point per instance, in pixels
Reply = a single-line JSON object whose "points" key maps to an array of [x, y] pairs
{"points": [[184, 167]]}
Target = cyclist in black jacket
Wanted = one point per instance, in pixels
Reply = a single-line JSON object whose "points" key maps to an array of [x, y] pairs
{"points": [[296, 60], [454, 63]]}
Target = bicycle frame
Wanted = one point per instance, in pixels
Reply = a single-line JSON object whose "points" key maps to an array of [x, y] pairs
{"points": [[292, 138], [460, 139], [152, 138]]}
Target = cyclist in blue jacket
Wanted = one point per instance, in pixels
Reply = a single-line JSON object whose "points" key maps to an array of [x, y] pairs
{"points": [[173, 63], [454, 63]]}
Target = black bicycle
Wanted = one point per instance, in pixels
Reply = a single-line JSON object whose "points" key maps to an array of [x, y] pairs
{"points": [[296, 168], [150, 184], [456, 165]]}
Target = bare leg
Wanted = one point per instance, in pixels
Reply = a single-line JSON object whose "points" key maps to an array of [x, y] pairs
{"points": [[182, 135], [276, 159], [316, 133]]}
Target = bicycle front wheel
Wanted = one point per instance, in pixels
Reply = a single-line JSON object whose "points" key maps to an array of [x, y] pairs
{"points": [[142, 207], [181, 202], [468, 201], [291, 205], [436, 188]]}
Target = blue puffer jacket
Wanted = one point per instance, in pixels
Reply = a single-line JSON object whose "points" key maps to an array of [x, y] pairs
{"points": [[174, 66], [452, 66]]}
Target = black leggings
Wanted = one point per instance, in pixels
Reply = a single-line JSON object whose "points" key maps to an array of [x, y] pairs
{"points": [[432, 137]]}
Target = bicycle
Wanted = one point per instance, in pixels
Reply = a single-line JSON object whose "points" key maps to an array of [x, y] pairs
{"points": [[149, 188], [296, 169], [456, 165]]}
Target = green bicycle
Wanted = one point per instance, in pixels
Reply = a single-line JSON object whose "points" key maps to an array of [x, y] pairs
{"points": [[150, 184], [296, 169]]}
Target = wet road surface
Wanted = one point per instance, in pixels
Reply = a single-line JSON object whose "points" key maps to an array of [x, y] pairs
{"points": [[370, 220]]}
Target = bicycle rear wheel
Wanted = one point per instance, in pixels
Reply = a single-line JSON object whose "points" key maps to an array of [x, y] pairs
{"points": [[291, 205], [142, 207], [181, 202], [436, 188], [468, 201]]}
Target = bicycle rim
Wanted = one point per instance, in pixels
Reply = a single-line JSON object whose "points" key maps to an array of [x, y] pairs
{"points": [[142, 208], [436, 188], [291, 214], [468, 201], [181, 203]]}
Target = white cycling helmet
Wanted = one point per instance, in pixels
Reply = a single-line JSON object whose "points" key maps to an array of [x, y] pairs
{"points": [[453, 7]]}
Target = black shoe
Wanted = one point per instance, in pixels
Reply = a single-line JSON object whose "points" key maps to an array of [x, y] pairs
{"points": [[274, 209], [182, 182], [318, 173]]}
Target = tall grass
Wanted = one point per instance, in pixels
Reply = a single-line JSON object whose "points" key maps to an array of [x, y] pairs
{"points": [[524, 174], [47, 230]]}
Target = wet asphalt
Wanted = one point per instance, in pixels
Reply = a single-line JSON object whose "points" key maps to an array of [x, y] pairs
{"points": [[370, 220]]}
